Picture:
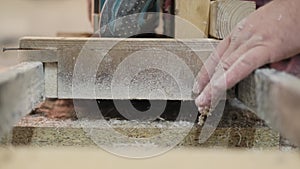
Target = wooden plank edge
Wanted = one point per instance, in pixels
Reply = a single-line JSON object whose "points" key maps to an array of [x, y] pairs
{"points": [[21, 90]]}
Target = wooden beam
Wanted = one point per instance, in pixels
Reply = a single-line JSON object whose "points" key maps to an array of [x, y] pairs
{"points": [[49, 158], [246, 92], [182, 58], [193, 18], [226, 14], [50, 71], [274, 96], [238, 128], [21, 89], [278, 95]]}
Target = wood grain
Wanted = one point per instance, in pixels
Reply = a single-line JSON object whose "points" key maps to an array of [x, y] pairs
{"points": [[49, 158], [21, 89], [196, 14], [180, 60], [278, 95], [226, 14]]}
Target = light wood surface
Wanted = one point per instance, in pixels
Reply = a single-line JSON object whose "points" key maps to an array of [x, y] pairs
{"points": [[274, 96], [226, 14], [21, 89], [181, 61], [175, 159], [196, 16], [278, 96]]}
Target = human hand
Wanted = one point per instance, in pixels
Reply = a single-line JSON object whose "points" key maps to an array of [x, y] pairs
{"points": [[268, 35]]}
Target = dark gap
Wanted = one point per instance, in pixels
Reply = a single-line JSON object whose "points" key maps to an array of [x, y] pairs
{"points": [[170, 113]]}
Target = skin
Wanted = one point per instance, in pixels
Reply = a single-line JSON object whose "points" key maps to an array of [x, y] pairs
{"points": [[268, 35]]}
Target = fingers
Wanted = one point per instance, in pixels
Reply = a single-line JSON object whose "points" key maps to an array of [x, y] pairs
{"points": [[245, 65], [241, 68], [211, 92], [209, 66], [225, 48], [226, 61]]}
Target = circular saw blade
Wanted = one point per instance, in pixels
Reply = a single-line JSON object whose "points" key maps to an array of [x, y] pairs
{"points": [[127, 18]]}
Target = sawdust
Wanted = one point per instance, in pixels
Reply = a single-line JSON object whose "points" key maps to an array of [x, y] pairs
{"points": [[206, 112]]}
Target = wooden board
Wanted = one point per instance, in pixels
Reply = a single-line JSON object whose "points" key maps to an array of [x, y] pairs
{"points": [[238, 128], [226, 14], [50, 71], [182, 60], [278, 95], [192, 19], [21, 89], [49, 158], [46, 132], [274, 96], [246, 92]]}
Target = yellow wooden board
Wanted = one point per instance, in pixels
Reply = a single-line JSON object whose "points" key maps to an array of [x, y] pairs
{"points": [[193, 18], [175, 159]]}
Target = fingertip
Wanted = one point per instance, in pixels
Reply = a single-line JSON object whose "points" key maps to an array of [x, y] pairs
{"points": [[202, 100], [200, 109]]}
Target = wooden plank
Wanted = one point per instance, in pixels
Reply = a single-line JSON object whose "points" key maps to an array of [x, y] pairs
{"points": [[21, 89], [226, 14], [49, 158], [105, 56], [238, 128], [48, 55], [278, 95], [74, 34], [274, 96], [59, 133], [51, 70], [192, 19], [246, 92]]}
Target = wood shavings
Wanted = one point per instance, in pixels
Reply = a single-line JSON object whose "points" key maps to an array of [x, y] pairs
{"points": [[204, 113]]}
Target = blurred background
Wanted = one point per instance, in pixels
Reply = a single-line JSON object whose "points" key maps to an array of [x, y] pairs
{"points": [[20, 18]]}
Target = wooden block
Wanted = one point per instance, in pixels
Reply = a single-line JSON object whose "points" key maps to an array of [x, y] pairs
{"points": [[105, 55], [226, 14], [278, 95], [21, 89], [274, 96], [193, 18], [49, 158], [74, 34], [238, 128], [47, 55], [246, 92], [50, 70]]}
